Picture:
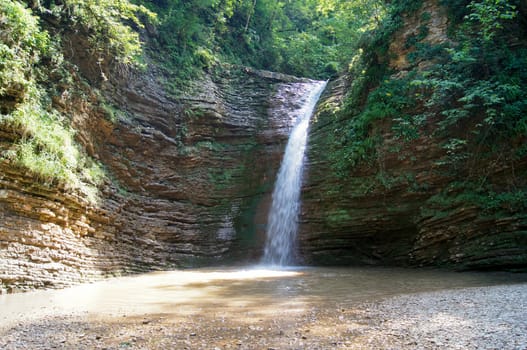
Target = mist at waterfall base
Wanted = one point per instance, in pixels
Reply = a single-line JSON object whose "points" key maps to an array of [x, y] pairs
{"points": [[282, 222]]}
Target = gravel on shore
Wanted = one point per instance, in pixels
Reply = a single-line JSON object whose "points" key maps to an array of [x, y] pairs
{"points": [[470, 318]]}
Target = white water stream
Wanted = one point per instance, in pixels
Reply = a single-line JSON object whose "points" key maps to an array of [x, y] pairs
{"points": [[282, 222]]}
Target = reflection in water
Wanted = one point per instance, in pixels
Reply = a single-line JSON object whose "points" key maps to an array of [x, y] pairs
{"points": [[254, 291]]}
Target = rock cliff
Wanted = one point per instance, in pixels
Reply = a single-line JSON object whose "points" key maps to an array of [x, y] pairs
{"points": [[402, 207], [188, 180], [189, 177]]}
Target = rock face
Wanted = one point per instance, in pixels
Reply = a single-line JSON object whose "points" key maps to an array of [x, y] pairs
{"points": [[190, 178], [189, 181], [390, 212], [431, 16]]}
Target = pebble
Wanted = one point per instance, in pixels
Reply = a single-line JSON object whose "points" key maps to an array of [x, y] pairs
{"points": [[472, 318]]}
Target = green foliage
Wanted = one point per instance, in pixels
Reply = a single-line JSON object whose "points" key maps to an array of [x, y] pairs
{"points": [[186, 43], [457, 10], [388, 100], [510, 201], [471, 92], [47, 148], [307, 37], [479, 79], [113, 113], [108, 24], [464, 194], [327, 31], [337, 217], [393, 98], [307, 56], [22, 43], [472, 89], [490, 15], [46, 145]]}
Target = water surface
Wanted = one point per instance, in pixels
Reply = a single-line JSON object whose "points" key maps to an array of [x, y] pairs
{"points": [[252, 292]]}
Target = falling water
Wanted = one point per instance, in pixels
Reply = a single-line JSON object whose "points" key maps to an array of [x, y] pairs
{"points": [[282, 222]]}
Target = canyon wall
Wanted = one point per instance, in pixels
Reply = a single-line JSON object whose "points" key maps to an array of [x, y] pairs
{"points": [[401, 207], [189, 178]]}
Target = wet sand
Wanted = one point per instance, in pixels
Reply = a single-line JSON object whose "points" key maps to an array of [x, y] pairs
{"points": [[264, 309]]}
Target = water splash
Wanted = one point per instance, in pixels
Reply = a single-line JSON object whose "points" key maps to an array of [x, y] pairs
{"points": [[282, 222]]}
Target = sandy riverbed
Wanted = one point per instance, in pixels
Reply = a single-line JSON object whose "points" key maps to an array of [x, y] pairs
{"points": [[480, 317]]}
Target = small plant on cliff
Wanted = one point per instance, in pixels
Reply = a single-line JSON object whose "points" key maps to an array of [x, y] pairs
{"points": [[47, 147]]}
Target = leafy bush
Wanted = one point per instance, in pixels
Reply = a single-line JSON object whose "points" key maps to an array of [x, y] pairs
{"points": [[474, 85], [108, 24], [45, 145], [21, 45], [47, 148]]}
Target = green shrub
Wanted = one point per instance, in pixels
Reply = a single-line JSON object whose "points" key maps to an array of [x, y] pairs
{"points": [[45, 144], [48, 150], [108, 24], [22, 43]]}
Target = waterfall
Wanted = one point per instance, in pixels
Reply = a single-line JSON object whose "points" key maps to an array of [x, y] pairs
{"points": [[282, 222]]}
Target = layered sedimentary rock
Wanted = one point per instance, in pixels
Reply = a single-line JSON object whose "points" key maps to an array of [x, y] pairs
{"points": [[383, 214], [397, 208], [189, 177], [188, 181]]}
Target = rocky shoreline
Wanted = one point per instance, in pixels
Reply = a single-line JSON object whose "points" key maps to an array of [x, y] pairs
{"points": [[468, 318], [471, 318]]}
